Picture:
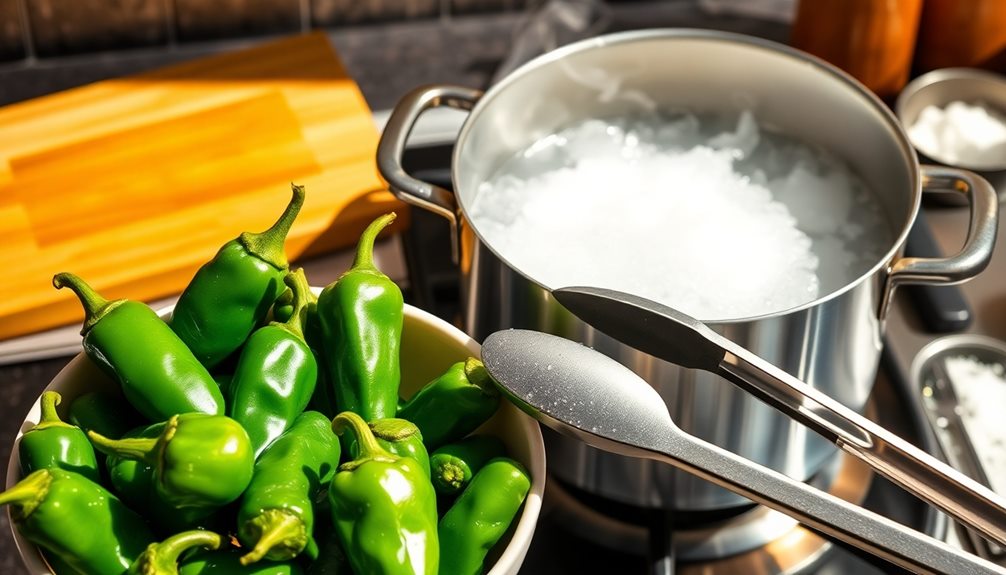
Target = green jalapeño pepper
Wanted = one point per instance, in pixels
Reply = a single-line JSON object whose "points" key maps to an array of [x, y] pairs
{"points": [[162, 558], [135, 483], [276, 515], [107, 413], [454, 404], [400, 437], [453, 465], [232, 293], [282, 311], [361, 316], [481, 515], [383, 508], [77, 522], [276, 374], [159, 376], [54, 443], [199, 460]]}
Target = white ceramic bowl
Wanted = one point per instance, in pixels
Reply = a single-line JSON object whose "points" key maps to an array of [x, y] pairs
{"points": [[429, 346]]}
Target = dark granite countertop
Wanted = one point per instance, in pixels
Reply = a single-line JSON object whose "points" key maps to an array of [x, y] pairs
{"points": [[386, 60]]}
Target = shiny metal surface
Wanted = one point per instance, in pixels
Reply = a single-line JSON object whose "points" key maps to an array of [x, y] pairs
{"points": [[757, 542], [577, 391], [939, 399], [706, 543], [939, 88], [833, 343], [678, 338], [392, 147]]}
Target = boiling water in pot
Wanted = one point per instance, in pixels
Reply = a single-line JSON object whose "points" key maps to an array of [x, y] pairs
{"points": [[719, 223]]}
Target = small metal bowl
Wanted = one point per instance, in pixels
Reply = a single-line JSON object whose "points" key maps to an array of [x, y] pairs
{"points": [[933, 380], [941, 87]]}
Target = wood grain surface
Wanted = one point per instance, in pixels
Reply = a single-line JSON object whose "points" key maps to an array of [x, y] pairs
{"points": [[133, 183]]}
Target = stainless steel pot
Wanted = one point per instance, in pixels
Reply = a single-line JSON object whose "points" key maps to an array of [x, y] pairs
{"points": [[833, 343]]}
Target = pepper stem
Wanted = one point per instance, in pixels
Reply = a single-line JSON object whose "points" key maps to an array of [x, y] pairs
{"points": [[162, 558], [135, 448], [275, 530], [268, 246], [49, 401], [368, 447], [25, 495], [393, 429], [477, 374], [95, 306], [365, 246], [297, 282], [450, 475]]}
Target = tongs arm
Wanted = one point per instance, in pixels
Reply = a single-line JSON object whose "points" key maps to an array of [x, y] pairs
{"points": [[821, 511], [930, 479]]}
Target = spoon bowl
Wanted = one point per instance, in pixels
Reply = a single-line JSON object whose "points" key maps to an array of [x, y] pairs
{"points": [[546, 378]]}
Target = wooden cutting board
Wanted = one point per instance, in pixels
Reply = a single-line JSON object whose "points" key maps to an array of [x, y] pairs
{"points": [[133, 183]]}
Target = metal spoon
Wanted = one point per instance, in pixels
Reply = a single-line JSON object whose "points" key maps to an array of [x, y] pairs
{"points": [[585, 394], [671, 335]]}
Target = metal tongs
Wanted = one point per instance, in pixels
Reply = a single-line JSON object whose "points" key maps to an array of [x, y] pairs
{"points": [[630, 418]]}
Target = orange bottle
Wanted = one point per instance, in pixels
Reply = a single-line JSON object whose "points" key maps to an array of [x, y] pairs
{"points": [[873, 40], [958, 33]]}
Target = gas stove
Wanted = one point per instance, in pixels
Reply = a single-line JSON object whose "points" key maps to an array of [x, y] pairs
{"points": [[580, 532]]}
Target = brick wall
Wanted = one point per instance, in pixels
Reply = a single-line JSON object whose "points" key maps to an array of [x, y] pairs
{"points": [[53, 28]]}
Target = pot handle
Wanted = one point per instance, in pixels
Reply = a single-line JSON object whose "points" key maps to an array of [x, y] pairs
{"points": [[392, 147], [977, 251]]}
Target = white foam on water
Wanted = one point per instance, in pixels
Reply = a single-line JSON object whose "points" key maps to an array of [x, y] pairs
{"points": [[718, 224]]}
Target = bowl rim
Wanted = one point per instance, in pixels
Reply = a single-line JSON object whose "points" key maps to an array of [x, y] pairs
{"points": [[510, 559]]}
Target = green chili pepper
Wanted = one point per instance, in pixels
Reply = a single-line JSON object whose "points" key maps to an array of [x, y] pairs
{"points": [[383, 508], [162, 558], [54, 443], [481, 515], [232, 293], [159, 376], [199, 460], [276, 515], [399, 437], [77, 521], [135, 482], [361, 317], [453, 465], [228, 562], [107, 413], [454, 404], [275, 376]]}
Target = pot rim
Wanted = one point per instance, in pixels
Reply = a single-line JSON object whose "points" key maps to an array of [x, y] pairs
{"points": [[600, 42]]}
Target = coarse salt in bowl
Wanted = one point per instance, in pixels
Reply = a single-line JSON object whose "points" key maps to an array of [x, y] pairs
{"points": [[429, 346], [957, 117]]}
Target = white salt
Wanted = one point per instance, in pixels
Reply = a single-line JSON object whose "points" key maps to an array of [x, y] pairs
{"points": [[961, 133], [981, 401], [718, 224]]}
